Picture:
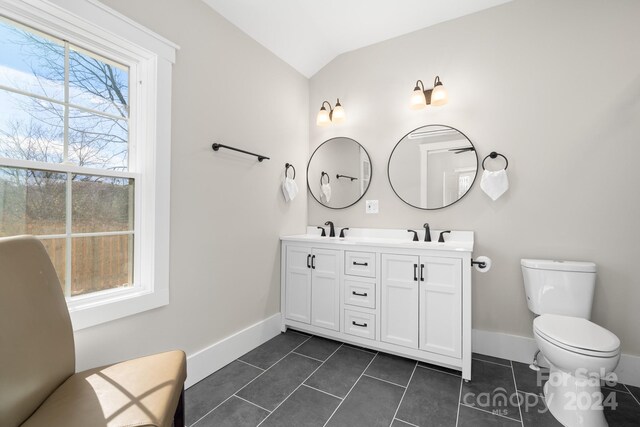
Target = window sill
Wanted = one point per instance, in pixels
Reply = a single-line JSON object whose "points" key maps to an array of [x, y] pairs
{"points": [[91, 310]]}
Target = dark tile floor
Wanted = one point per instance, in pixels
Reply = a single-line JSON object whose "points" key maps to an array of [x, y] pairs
{"points": [[301, 380]]}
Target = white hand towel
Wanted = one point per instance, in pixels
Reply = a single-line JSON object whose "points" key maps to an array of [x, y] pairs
{"points": [[289, 189], [326, 192], [494, 183]]}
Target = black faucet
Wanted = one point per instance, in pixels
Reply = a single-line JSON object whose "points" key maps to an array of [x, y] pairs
{"points": [[427, 232], [415, 235], [323, 232], [342, 231], [441, 238], [332, 231]]}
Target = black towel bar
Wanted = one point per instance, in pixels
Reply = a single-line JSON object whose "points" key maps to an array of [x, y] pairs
{"points": [[352, 178], [260, 157]]}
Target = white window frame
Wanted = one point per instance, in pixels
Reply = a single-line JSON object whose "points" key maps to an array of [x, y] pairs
{"points": [[91, 25]]}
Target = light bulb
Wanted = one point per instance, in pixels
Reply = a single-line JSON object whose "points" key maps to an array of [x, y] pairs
{"points": [[418, 100], [323, 117], [439, 95], [338, 115]]}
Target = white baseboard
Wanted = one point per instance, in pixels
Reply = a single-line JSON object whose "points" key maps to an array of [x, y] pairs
{"points": [[206, 361], [522, 349]]}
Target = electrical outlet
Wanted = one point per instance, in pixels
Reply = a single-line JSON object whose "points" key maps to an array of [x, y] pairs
{"points": [[372, 206]]}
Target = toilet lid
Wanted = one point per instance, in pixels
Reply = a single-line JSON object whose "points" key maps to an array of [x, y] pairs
{"points": [[576, 334]]}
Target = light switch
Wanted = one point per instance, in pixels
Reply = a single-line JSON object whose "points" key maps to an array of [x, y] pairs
{"points": [[372, 206]]}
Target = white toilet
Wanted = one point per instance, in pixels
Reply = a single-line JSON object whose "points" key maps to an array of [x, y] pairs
{"points": [[580, 353]]}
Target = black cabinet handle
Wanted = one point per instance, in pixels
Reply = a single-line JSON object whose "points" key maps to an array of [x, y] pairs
{"points": [[362, 325], [422, 272], [361, 263], [313, 262], [308, 258], [360, 295], [415, 272]]}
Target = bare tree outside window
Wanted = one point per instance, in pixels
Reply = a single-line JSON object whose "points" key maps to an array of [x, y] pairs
{"points": [[61, 105]]}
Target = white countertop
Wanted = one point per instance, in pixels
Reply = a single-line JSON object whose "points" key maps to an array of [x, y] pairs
{"points": [[454, 241]]}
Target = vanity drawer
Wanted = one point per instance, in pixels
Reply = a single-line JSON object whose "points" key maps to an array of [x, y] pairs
{"points": [[360, 292], [360, 324], [360, 263]]}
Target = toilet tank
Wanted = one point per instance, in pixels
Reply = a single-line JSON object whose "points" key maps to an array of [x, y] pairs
{"points": [[559, 287]]}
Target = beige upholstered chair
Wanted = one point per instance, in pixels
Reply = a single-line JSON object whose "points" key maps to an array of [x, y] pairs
{"points": [[38, 383]]}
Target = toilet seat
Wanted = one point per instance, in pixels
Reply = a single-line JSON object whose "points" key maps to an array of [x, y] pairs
{"points": [[577, 335]]}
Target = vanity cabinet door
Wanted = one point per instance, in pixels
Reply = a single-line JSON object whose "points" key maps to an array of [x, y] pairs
{"points": [[298, 284], [441, 306], [325, 288], [399, 305]]}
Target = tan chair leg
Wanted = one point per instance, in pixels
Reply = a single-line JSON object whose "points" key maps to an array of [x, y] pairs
{"points": [[178, 417]]}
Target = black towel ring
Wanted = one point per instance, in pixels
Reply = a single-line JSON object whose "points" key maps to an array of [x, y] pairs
{"points": [[286, 170], [322, 176], [493, 155]]}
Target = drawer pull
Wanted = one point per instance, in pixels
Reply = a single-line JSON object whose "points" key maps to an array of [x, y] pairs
{"points": [[362, 325], [364, 294], [361, 263]]}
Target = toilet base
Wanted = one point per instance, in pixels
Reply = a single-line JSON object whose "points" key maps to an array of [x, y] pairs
{"points": [[574, 401]]}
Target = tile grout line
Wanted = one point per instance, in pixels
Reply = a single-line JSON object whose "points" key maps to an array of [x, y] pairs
{"points": [[388, 382], [322, 391], [352, 387], [525, 392], [438, 370], [489, 361], [515, 387], [604, 387], [494, 363], [250, 402], [361, 349], [216, 407], [632, 395], [308, 357], [300, 385], [403, 421], [459, 399], [528, 392], [240, 389], [395, 414], [247, 363], [489, 412], [297, 333]]}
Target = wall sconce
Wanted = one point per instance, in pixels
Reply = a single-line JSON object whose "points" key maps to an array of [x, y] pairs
{"points": [[334, 115], [437, 96]]}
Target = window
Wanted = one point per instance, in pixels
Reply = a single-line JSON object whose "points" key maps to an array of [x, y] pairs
{"points": [[84, 148], [63, 105]]}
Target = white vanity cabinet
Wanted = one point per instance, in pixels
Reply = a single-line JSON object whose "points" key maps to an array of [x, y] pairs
{"points": [[400, 300], [422, 303], [312, 287], [382, 291]]}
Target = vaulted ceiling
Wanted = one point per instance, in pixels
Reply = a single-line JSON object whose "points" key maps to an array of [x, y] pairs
{"points": [[309, 34]]}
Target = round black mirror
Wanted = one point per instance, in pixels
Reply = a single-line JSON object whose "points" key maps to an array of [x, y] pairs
{"points": [[432, 167], [339, 173]]}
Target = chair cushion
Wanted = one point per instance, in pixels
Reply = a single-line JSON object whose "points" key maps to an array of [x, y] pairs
{"points": [[138, 392]]}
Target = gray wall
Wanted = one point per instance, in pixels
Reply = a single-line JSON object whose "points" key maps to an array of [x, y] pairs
{"points": [[227, 210], [554, 85]]}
